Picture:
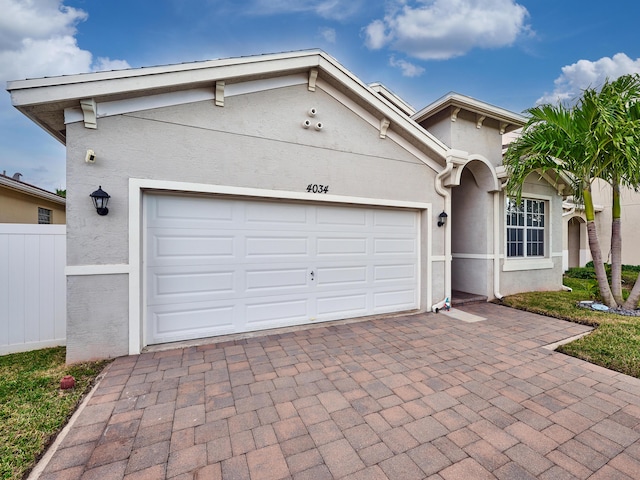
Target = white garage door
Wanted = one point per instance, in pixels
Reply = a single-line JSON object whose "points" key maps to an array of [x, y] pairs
{"points": [[220, 266]]}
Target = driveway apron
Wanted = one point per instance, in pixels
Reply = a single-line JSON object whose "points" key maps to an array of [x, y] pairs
{"points": [[471, 395]]}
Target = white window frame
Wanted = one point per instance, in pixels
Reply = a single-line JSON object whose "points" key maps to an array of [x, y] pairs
{"points": [[530, 262]]}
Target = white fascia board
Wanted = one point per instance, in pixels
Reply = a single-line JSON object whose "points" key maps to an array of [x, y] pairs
{"points": [[91, 85], [375, 122], [393, 113], [137, 104], [472, 105], [33, 191]]}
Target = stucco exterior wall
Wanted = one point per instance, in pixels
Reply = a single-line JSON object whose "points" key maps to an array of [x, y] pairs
{"points": [[17, 207], [531, 277], [256, 141], [464, 134]]}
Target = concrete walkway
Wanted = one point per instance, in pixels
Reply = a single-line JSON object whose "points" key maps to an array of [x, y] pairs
{"points": [[472, 396]]}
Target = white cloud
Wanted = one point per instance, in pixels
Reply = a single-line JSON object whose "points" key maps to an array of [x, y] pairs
{"points": [[37, 38], [329, 34], [333, 9], [408, 68], [442, 29], [587, 74]]}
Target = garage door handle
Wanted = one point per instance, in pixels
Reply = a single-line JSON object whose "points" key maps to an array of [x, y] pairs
{"points": [[312, 275]]}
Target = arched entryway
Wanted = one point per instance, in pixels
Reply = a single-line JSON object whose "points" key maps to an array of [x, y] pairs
{"points": [[472, 230]]}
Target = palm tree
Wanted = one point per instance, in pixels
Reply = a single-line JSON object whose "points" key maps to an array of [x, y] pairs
{"points": [[599, 137]]}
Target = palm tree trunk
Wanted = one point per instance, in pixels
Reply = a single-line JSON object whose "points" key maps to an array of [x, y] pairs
{"points": [[634, 297], [616, 246], [596, 253]]}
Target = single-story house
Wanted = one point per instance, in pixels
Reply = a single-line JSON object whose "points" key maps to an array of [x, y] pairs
{"points": [[21, 202], [276, 190]]}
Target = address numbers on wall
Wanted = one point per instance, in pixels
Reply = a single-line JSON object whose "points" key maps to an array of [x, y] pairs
{"points": [[316, 188]]}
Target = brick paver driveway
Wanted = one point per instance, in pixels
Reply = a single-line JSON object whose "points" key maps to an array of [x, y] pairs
{"points": [[423, 396]]}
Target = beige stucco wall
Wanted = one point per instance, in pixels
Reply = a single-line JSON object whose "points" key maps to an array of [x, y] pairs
{"points": [[630, 220], [18, 207], [256, 140]]}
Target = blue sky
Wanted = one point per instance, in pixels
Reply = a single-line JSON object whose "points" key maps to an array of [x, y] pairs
{"points": [[511, 53]]}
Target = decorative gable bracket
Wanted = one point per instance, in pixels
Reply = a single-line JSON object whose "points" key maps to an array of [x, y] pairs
{"points": [[384, 125], [89, 112], [219, 98], [313, 76]]}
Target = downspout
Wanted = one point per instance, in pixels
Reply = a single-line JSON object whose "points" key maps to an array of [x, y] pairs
{"points": [[446, 193]]}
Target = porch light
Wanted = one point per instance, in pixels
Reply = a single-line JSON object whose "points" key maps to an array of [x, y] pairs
{"points": [[100, 199], [442, 219]]}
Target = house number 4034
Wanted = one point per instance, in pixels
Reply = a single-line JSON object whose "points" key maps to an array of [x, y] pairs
{"points": [[315, 188]]}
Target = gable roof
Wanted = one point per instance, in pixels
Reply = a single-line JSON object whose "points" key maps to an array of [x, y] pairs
{"points": [[44, 100], [508, 120]]}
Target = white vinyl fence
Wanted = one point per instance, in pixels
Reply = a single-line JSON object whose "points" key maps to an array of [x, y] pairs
{"points": [[33, 305]]}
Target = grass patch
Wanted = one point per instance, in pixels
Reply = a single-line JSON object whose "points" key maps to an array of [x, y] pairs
{"points": [[615, 342], [33, 409]]}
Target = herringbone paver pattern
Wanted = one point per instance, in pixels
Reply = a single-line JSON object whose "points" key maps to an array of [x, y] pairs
{"points": [[423, 396]]}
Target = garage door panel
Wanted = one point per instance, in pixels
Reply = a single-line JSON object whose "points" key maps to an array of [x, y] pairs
{"points": [[270, 313], [341, 246], [348, 219], [394, 300], [190, 212], [276, 214], [191, 321], [262, 264], [394, 246], [398, 221], [177, 284], [395, 272], [331, 277], [341, 306], [179, 247], [276, 246], [263, 281]]}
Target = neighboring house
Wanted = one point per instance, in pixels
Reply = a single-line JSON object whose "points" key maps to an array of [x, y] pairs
{"points": [[577, 246], [276, 190], [21, 202]]}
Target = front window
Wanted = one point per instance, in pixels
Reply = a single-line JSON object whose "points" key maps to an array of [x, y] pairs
{"points": [[525, 228], [44, 215]]}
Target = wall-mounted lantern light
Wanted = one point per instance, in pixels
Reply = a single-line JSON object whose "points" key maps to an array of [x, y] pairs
{"points": [[442, 219], [100, 199]]}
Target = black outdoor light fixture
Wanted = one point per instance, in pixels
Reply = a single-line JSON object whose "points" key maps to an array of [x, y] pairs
{"points": [[442, 219], [100, 199]]}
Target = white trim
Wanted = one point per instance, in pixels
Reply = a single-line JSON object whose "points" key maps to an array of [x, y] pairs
{"points": [[135, 252], [438, 258], [146, 184], [77, 270], [474, 256], [527, 264], [375, 122], [136, 274]]}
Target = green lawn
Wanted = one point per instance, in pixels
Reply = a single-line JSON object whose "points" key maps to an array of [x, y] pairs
{"points": [[33, 409], [615, 342]]}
